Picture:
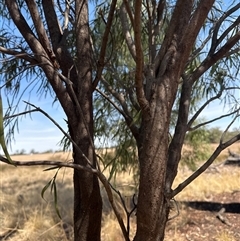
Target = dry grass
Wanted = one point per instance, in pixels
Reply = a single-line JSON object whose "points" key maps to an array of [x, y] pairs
{"points": [[22, 207], [215, 180], [21, 203], [225, 236]]}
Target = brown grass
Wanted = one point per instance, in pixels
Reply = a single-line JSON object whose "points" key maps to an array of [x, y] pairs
{"points": [[22, 208]]}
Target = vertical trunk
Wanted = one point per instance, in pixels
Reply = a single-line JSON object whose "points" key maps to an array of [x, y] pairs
{"points": [[87, 197], [153, 205]]}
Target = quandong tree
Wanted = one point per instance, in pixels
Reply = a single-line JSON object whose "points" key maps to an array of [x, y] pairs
{"points": [[139, 61]]}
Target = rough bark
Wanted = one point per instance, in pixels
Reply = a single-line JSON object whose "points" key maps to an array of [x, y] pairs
{"points": [[73, 88], [153, 205], [87, 198], [158, 162]]}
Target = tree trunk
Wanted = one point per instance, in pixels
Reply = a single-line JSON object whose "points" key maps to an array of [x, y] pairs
{"points": [[153, 205], [87, 197]]}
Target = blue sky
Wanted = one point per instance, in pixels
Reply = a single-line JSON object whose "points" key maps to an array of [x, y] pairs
{"points": [[39, 133]]}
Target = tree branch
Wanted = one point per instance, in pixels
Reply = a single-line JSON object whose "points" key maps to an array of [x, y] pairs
{"points": [[191, 30], [224, 133], [228, 30], [203, 168], [49, 163], [211, 60], [156, 24], [54, 28], [25, 30], [126, 31], [18, 114], [215, 41], [100, 62], [129, 11], [196, 52], [61, 129], [41, 32], [176, 30], [210, 121], [175, 147], [233, 51], [150, 21], [19, 55], [126, 116], [203, 107], [139, 58]]}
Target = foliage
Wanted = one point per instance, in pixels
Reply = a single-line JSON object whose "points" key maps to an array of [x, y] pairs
{"points": [[197, 144], [197, 148], [215, 134], [53, 185]]}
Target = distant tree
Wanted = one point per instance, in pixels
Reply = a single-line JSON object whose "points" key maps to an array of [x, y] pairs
{"points": [[124, 72], [197, 148], [215, 134], [32, 151], [22, 152]]}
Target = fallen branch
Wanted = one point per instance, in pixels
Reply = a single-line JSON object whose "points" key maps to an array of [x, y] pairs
{"points": [[8, 233], [222, 218]]}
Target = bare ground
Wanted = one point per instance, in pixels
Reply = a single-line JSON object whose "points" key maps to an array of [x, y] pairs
{"points": [[200, 220]]}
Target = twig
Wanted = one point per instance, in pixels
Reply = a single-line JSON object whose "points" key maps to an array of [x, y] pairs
{"points": [[224, 133], [175, 204], [61, 129], [8, 233], [111, 102], [18, 114], [100, 62], [125, 208], [218, 95], [216, 41], [20, 55], [210, 121]]}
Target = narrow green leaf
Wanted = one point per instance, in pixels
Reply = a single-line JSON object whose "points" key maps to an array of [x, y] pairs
{"points": [[51, 168], [44, 189], [56, 200]]}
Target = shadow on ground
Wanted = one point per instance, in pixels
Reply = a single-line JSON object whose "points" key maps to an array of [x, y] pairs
{"points": [[213, 206]]}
